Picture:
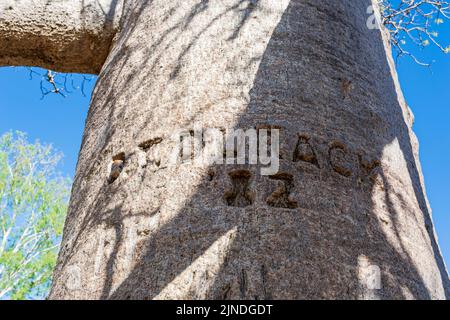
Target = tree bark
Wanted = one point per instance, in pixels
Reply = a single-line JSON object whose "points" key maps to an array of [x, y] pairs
{"points": [[346, 217]]}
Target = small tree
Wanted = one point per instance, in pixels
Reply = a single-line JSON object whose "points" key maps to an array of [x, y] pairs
{"points": [[33, 205]]}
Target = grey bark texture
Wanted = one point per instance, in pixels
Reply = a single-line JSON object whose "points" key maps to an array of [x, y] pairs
{"points": [[348, 202]]}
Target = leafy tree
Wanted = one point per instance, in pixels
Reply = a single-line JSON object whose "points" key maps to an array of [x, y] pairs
{"points": [[33, 205]]}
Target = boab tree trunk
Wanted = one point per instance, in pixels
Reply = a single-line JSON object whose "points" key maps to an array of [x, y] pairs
{"points": [[346, 216]]}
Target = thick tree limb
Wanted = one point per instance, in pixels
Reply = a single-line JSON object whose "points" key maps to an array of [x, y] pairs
{"points": [[62, 35]]}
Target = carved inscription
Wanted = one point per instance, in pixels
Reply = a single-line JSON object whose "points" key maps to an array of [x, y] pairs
{"points": [[339, 159], [240, 195], [304, 151], [152, 156], [117, 165], [146, 145], [370, 169], [281, 197]]}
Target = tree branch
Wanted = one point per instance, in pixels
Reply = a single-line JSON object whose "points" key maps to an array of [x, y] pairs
{"points": [[62, 35]]}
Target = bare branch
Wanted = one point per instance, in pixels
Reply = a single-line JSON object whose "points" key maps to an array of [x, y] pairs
{"points": [[413, 21]]}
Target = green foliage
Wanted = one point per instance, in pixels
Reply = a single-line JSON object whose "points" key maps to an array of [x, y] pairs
{"points": [[33, 205]]}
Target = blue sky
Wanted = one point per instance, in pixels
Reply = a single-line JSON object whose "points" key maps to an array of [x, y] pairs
{"points": [[60, 121], [53, 119]]}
